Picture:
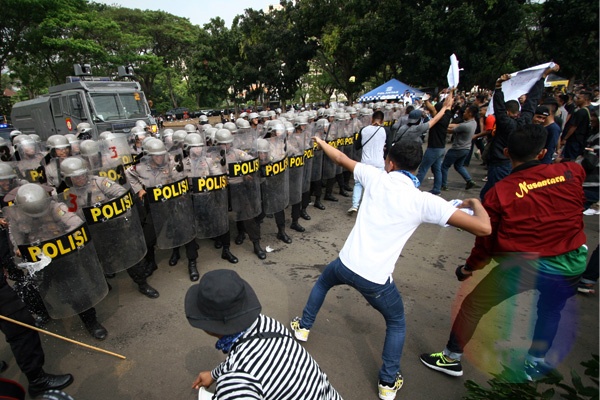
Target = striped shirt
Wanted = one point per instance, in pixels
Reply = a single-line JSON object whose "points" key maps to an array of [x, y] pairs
{"points": [[271, 368]]}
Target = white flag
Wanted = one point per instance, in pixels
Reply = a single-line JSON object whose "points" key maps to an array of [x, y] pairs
{"points": [[453, 77]]}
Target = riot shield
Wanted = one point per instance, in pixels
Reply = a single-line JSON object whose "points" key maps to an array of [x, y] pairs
{"points": [[274, 171], [116, 147], [109, 211], [205, 168], [168, 200], [51, 174], [317, 155], [296, 166], [57, 249], [29, 165], [244, 176], [329, 167]]}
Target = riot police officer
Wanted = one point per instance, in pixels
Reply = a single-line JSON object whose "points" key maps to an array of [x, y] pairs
{"points": [[59, 148]]}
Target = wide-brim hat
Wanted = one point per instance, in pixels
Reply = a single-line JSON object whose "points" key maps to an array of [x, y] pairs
{"points": [[222, 303]]}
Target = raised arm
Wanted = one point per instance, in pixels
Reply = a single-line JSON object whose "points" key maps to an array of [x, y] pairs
{"points": [[335, 155]]}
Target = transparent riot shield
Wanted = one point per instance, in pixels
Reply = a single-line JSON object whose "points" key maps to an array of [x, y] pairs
{"points": [[347, 143], [110, 213], [317, 164], [30, 158], [115, 148], [51, 174], [275, 175], [296, 166], [9, 183], [329, 167], [167, 194], [205, 168], [243, 169], [58, 251]]}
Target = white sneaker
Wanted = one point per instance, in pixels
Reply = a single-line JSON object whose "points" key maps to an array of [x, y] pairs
{"points": [[300, 333], [352, 210], [593, 210]]}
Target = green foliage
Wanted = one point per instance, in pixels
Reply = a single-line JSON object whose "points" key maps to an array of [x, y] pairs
{"points": [[510, 384]]}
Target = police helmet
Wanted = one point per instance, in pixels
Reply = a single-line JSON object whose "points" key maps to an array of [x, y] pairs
{"points": [[20, 139], [189, 128], [179, 136], [32, 200], [223, 136], [73, 166], [330, 112], [84, 128], [193, 140], [300, 121], [241, 123], [35, 137], [57, 142], [263, 114], [167, 132], [146, 140], [203, 119], [6, 171], [72, 138], [141, 124], [219, 125], [15, 133], [89, 148], [320, 112], [243, 115], [351, 110], [230, 126], [253, 115], [137, 132], [155, 147], [106, 135], [262, 146], [276, 128], [271, 113], [289, 127]]}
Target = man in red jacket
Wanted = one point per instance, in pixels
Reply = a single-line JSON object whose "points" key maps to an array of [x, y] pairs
{"points": [[538, 241]]}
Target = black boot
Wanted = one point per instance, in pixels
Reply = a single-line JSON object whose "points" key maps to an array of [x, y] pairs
{"points": [[304, 214], [96, 329], [259, 251], [194, 275], [148, 290], [343, 193], [297, 227], [239, 239], [174, 257], [318, 204], [218, 244], [329, 197], [226, 255], [281, 235], [47, 381]]}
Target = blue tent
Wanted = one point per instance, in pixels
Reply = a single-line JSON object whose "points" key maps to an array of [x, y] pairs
{"points": [[391, 90]]}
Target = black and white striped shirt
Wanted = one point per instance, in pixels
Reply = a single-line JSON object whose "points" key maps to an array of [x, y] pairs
{"points": [[271, 368]]}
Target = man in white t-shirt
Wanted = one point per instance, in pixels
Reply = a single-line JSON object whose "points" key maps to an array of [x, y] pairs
{"points": [[392, 209], [373, 139]]}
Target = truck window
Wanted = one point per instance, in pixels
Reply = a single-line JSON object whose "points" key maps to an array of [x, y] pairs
{"points": [[56, 108], [115, 106], [76, 106]]}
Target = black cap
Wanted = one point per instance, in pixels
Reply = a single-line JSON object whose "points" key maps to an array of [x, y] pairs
{"points": [[542, 110]]}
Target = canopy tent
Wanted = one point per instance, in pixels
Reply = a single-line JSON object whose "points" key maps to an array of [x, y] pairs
{"points": [[391, 90]]}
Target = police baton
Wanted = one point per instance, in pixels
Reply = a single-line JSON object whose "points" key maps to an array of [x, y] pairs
{"points": [[87, 346]]}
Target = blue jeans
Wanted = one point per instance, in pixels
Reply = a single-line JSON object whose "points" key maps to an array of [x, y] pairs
{"points": [[384, 298], [512, 276], [432, 159], [456, 157], [356, 194], [495, 174]]}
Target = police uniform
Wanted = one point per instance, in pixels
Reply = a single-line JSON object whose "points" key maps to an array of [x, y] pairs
{"points": [[27, 229]]}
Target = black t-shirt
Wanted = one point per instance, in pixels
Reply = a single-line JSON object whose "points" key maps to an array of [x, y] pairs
{"points": [[581, 119], [437, 134]]}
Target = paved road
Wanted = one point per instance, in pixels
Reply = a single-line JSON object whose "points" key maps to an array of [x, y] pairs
{"points": [[164, 353]]}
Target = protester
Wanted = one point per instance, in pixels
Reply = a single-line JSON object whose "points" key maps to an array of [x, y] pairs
{"points": [[263, 359], [550, 263], [392, 209]]}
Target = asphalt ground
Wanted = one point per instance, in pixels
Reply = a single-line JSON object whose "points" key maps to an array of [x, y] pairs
{"points": [[164, 353]]}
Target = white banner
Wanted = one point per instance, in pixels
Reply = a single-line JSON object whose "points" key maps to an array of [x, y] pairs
{"points": [[520, 83]]}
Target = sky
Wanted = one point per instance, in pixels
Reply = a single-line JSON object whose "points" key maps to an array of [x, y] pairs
{"points": [[199, 12]]}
